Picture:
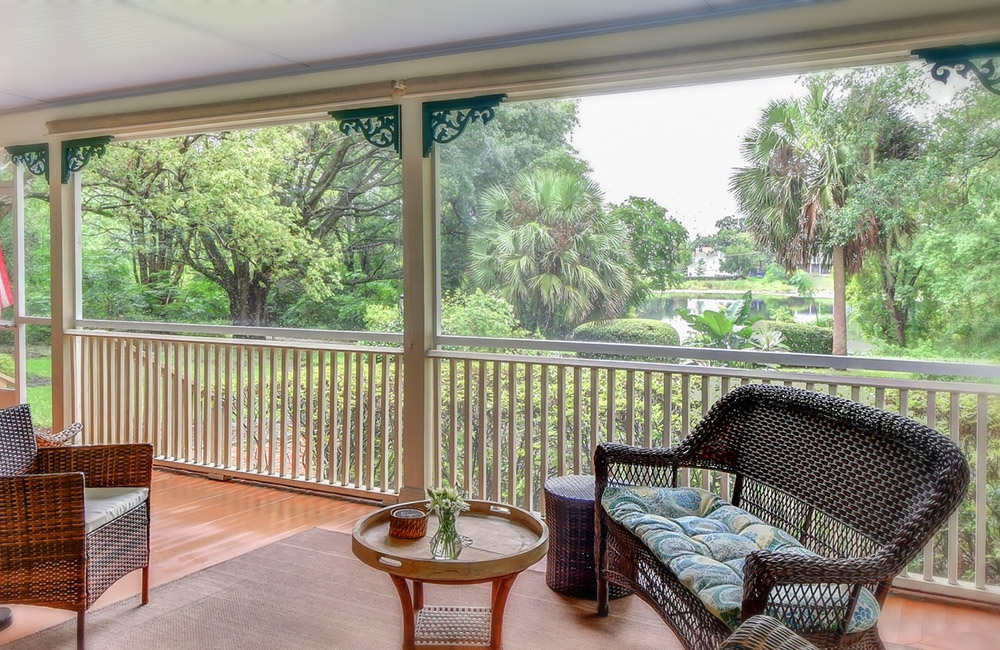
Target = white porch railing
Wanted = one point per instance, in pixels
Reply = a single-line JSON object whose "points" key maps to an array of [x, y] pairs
{"points": [[320, 414], [506, 423], [328, 416]]}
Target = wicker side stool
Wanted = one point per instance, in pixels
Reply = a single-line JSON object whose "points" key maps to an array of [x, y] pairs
{"points": [[569, 514]]}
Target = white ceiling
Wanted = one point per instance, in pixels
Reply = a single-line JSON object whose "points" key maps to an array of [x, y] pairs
{"points": [[60, 51], [59, 57]]}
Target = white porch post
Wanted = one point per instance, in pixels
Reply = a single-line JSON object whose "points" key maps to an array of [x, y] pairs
{"points": [[64, 219], [20, 346], [419, 209]]}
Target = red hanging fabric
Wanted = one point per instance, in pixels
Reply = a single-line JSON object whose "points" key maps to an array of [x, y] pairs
{"points": [[6, 296]]}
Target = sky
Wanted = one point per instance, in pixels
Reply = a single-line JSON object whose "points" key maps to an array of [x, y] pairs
{"points": [[681, 149], [685, 142]]}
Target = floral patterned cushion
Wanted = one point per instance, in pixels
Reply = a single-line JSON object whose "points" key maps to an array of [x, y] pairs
{"points": [[704, 541]]}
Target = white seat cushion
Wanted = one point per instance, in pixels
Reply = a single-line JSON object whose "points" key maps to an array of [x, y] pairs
{"points": [[104, 505]]}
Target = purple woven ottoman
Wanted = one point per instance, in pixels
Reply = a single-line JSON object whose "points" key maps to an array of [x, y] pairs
{"points": [[569, 514]]}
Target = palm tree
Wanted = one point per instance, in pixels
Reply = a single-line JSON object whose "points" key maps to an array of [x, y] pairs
{"points": [[549, 248], [798, 176]]}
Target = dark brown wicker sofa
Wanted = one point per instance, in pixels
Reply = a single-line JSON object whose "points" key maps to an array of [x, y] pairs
{"points": [[73, 520], [860, 490], [764, 633]]}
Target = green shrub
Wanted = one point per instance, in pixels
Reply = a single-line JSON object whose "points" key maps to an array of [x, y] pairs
{"points": [[783, 314], [775, 273], [638, 331], [6, 364], [803, 282], [479, 314], [824, 320], [807, 339], [383, 318]]}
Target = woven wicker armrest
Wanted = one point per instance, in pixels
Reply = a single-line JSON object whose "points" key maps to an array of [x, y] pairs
{"points": [[102, 465], [44, 538], [772, 568], [615, 463], [765, 570], [59, 438], [765, 633]]}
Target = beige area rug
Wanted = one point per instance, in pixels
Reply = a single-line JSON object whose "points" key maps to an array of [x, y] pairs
{"points": [[308, 592]]}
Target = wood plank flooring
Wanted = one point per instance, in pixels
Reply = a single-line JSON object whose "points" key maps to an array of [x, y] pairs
{"points": [[199, 522]]}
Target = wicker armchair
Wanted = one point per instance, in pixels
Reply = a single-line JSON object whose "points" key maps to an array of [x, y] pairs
{"points": [[862, 488], [59, 551]]}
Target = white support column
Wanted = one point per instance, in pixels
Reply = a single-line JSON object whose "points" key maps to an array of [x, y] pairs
{"points": [[20, 346], [64, 219], [419, 219]]}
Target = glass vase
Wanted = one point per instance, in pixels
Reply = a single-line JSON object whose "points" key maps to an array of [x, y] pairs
{"points": [[446, 543]]}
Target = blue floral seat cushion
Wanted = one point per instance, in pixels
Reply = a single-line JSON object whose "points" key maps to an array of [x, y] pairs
{"points": [[704, 541]]}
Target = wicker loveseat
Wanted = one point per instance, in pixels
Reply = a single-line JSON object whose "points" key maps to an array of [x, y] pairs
{"points": [[831, 498], [764, 633], [73, 520]]}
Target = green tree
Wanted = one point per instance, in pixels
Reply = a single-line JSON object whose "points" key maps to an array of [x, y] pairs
{"points": [[956, 191], [284, 220], [522, 138], [550, 250], [806, 156], [885, 292], [659, 242], [741, 256]]}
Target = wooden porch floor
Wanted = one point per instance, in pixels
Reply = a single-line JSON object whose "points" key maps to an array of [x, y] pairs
{"points": [[199, 522]]}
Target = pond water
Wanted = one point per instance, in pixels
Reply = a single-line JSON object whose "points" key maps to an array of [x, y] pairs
{"points": [[804, 309]]}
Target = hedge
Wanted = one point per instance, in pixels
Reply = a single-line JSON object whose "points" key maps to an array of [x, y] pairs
{"points": [[807, 339], [640, 331]]}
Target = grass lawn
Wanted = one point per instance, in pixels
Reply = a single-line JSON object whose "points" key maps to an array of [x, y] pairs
{"points": [[737, 285], [38, 367], [40, 399], [39, 372], [822, 284]]}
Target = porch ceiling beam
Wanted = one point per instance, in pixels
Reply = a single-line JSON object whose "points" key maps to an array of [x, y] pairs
{"points": [[312, 104], [732, 60]]}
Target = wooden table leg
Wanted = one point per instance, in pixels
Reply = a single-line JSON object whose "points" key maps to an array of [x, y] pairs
{"points": [[407, 604], [418, 595], [501, 589]]}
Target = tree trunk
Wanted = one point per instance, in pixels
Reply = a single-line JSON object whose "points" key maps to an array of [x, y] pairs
{"points": [[899, 318], [889, 296], [839, 301], [248, 299]]}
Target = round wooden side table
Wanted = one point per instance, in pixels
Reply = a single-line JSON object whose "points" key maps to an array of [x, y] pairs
{"points": [[505, 541]]}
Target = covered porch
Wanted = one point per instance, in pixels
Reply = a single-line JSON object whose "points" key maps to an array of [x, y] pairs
{"points": [[262, 432]]}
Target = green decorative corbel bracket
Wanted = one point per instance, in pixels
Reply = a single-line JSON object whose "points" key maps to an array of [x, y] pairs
{"points": [[379, 125], [960, 58], [444, 121], [77, 153], [35, 157]]}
